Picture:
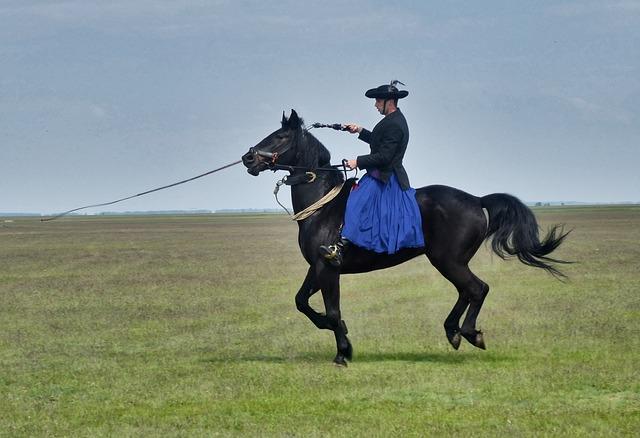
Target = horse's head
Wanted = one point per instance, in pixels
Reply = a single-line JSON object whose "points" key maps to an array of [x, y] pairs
{"points": [[279, 147]]}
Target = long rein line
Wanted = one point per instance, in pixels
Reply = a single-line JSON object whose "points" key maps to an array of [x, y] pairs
{"points": [[143, 193], [273, 166]]}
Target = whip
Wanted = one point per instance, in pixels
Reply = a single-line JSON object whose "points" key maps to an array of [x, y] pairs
{"points": [[336, 126]]}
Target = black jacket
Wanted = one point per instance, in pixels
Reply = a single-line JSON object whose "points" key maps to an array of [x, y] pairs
{"points": [[388, 142]]}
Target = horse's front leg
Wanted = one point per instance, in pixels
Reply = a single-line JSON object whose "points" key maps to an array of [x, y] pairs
{"points": [[308, 288], [329, 281]]}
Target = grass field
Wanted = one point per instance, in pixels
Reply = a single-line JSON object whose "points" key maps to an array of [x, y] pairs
{"points": [[186, 326]]}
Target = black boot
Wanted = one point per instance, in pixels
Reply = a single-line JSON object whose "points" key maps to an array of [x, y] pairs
{"points": [[334, 253]]}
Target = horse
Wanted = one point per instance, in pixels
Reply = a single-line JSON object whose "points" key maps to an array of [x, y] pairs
{"points": [[454, 225]]}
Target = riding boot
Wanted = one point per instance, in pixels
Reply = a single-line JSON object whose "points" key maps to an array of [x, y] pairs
{"points": [[334, 253]]}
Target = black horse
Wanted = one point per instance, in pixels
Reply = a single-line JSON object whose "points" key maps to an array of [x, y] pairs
{"points": [[453, 222]]}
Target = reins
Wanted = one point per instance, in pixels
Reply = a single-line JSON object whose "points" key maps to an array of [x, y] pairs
{"points": [[309, 174], [143, 193], [304, 178], [301, 215], [273, 156]]}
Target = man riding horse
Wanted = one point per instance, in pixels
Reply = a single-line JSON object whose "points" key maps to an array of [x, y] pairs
{"points": [[382, 214], [382, 221]]}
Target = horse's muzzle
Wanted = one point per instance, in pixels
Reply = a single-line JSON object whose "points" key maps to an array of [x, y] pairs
{"points": [[253, 163]]}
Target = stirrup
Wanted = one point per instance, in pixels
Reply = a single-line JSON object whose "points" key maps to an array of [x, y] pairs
{"points": [[332, 254]]}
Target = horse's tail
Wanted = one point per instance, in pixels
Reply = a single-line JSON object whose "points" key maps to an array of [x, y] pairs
{"points": [[515, 233]]}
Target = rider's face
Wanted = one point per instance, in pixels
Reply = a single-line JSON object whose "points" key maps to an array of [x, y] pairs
{"points": [[380, 105]]}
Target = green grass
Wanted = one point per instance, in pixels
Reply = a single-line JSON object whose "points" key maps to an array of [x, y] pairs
{"points": [[186, 326]]}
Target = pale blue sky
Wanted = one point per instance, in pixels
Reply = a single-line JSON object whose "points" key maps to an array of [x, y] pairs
{"points": [[100, 100]]}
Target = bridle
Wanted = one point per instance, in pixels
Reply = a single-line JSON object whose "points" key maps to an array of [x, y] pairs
{"points": [[297, 174], [271, 160]]}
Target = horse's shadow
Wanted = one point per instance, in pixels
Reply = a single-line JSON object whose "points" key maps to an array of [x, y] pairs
{"points": [[439, 357]]}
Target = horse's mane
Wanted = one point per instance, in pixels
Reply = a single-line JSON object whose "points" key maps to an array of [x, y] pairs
{"points": [[312, 153]]}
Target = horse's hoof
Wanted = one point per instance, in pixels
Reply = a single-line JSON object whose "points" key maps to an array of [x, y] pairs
{"points": [[480, 341], [340, 362], [476, 339], [454, 339]]}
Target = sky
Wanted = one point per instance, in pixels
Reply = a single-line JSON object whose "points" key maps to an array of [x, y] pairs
{"points": [[102, 100]]}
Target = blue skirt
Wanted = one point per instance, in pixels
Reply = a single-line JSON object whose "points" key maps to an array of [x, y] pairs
{"points": [[383, 217]]}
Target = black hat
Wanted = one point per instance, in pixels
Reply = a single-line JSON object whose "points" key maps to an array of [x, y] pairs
{"points": [[387, 91]]}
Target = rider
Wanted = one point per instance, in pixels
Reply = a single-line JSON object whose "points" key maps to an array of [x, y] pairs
{"points": [[382, 213]]}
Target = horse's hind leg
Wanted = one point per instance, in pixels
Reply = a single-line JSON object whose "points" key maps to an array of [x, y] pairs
{"points": [[474, 291], [477, 293], [452, 323], [442, 262], [452, 245], [471, 294]]}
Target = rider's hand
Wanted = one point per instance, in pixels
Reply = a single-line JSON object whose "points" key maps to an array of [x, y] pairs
{"points": [[353, 128]]}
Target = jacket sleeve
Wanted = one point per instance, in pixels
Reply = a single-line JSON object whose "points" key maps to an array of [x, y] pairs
{"points": [[391, 139], [365, 135]]}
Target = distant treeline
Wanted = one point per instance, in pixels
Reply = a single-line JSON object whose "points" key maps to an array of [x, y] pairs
{"points": [[249, 210], [152, 212], [157, 212], [279, 211]]}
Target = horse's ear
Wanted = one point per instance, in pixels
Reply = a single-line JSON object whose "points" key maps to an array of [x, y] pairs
{"points": [[294, 120], [284, 120]]}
